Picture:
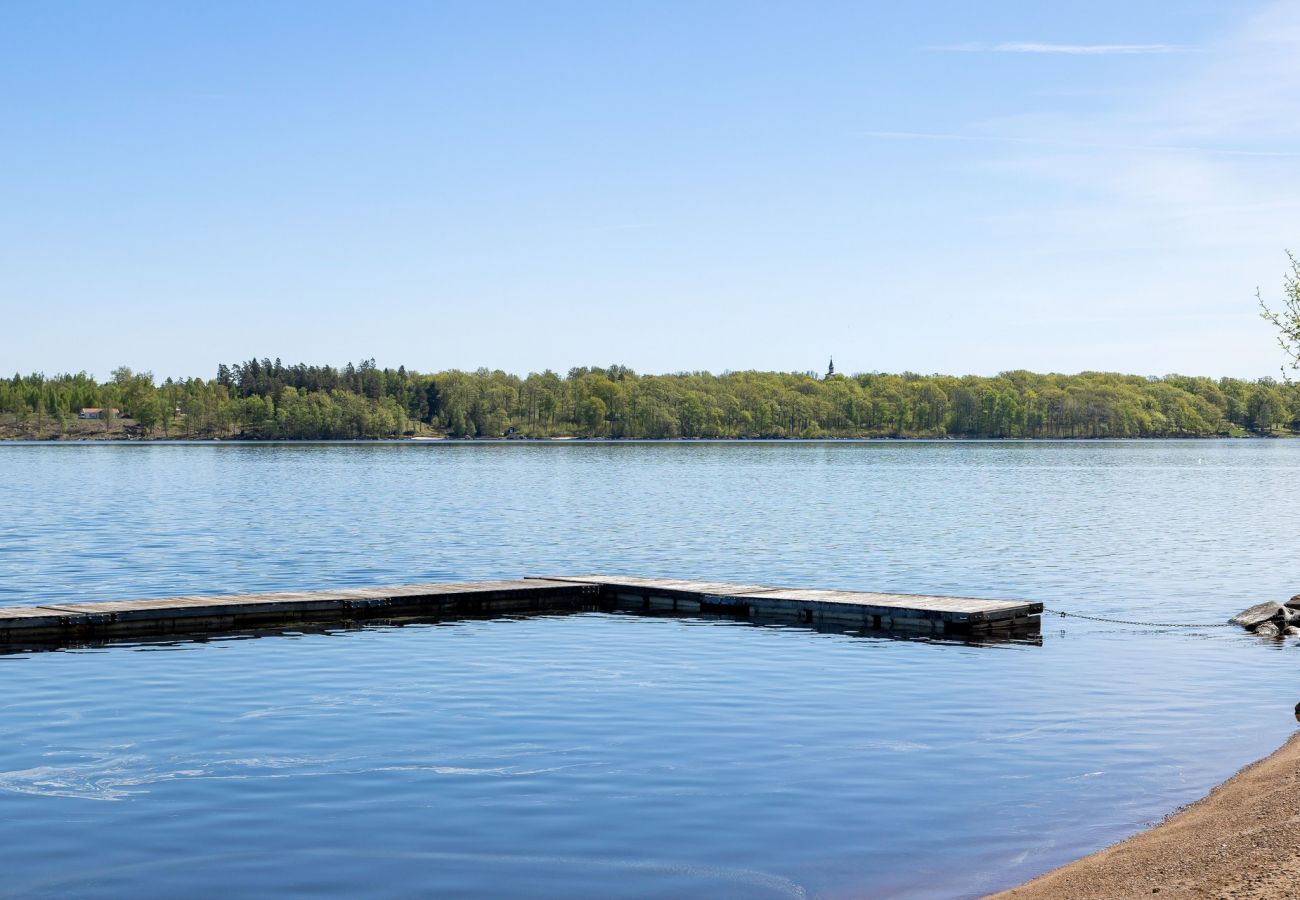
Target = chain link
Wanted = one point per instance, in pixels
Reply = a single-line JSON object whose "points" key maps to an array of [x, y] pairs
{"points": [[1074, 615]]}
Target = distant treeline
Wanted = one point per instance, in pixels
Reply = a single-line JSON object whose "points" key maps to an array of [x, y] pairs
{"points": [[266, 399]]}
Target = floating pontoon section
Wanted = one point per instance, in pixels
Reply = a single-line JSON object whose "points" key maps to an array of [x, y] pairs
{"points": [[62, 623]]}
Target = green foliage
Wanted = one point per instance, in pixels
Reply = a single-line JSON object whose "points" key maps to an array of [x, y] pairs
{"points": [[268, 400], [1287, 319]]}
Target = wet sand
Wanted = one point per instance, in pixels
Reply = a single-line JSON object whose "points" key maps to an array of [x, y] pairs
{"points": [[1241, 841]]}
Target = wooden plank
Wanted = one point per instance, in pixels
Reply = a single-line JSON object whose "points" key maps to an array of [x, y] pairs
{"points": [[633, 584], [22, 614], [217, 612], [295, 597], [901, 607], [950, 605]]}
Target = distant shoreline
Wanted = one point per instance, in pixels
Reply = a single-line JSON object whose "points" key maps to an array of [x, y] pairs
{"points": [[84, 440], [268, 400]]}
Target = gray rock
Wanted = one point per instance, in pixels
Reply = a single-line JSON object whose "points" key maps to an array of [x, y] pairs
{"points": [[1292, 630], [1267, 629], [1294, 602], [1257, 615]]}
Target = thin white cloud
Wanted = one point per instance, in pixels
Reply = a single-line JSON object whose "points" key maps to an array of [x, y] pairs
{"points": [[1075, 144], [1042, 47], [1168, 195]]}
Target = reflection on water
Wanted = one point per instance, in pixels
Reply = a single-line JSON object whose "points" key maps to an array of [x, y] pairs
{"points": [[619, 755]]}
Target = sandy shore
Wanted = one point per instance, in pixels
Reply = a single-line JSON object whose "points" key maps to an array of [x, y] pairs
{"points": [[1241, 841]]}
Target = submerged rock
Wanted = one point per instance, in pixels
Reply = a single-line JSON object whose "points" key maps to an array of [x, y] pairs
{"points": [[1257, 615], [1267, 629]]}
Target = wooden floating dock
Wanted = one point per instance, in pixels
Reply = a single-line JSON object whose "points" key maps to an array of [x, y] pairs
{"points": [[61, 623], [865, 610]]}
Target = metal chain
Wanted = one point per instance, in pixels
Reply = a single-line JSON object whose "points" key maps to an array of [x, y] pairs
{"points": [[1073, 615]]}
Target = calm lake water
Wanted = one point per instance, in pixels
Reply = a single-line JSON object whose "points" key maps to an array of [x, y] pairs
{"points": [[616, 755]]}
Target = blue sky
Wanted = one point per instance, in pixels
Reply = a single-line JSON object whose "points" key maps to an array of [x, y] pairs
{"points": [[935, 187]]}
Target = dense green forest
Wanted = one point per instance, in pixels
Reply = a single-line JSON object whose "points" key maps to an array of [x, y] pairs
{"points": [[264, 399]]}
